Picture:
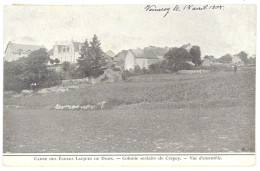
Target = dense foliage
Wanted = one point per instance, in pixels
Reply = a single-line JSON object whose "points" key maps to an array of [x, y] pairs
{"points": [[92, 61], [195, 55], [243, 57], [25, 72]]}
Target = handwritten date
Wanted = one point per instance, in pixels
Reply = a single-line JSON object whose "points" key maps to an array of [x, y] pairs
{"points": [[176, 8]]}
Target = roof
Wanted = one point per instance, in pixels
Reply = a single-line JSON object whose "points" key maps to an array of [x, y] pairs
{"points": [[110, 53], [21, 48], [75, 44], [159, 51], [146, 53], [121, 55]]}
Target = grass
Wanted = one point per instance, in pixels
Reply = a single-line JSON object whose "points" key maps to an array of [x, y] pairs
{"points": [[211, 112]]}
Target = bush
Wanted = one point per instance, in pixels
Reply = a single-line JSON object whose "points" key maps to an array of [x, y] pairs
{"points": [[65, 66], [52, 79], [126, 74], [182, 66], [158, 68], [74, 72], [56, 60], [52, 61]]}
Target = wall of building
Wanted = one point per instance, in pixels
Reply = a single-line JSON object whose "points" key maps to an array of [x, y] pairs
{"points": [[129, 61], [66, 54], [10, 56], [141, 62]]}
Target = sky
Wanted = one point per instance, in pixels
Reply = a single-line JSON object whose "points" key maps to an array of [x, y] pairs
{"points": [[228, 30]]}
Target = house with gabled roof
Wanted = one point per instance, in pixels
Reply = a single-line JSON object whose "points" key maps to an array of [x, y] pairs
{"points": [[16, 51], [69, 52], [141, 58]]}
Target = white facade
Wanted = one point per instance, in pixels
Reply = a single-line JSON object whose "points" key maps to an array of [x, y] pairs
{"points": [[69, 52], [129, 61], [143, 62]]}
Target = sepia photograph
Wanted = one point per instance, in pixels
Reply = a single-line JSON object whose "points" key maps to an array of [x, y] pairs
{"points": [[129, 80]]}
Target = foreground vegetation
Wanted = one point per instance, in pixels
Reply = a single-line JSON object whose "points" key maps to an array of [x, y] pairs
{"points": [[211, 112]]}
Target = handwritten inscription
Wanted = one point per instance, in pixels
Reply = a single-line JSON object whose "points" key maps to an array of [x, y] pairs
{"points": [[178, 8]]}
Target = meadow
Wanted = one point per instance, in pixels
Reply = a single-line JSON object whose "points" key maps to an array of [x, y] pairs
{"points": [[209, 112]]}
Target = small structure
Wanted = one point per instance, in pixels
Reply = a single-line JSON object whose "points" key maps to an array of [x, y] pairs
{"points": [[207, 62], [15, 51], [119, 59]]}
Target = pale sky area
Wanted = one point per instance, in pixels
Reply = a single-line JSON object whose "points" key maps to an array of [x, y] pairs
{"points": [[119, 27]]}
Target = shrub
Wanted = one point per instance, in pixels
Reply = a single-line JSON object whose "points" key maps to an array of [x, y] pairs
{"points": [[52, 61], [74, 72], [182, 66], [159, 67], [65, 66], [56, 60]]}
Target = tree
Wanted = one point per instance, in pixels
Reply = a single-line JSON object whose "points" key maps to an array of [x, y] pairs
{"points": [[195, 55], [99, 61], [85, 60], [243, 57], [21, 74], [225, 59], [35, 68], [92, 61], [176, 58]]}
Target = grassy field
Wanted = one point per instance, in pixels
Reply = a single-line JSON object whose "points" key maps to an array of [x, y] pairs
{"points": [[211, 112]]}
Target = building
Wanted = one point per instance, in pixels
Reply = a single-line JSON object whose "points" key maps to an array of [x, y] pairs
{"points": [[206, 62], [144, 58], [109, 57], [15, 51], [237, 60], [69, 52], [141, 58], [158, 51], [119, 59]]}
